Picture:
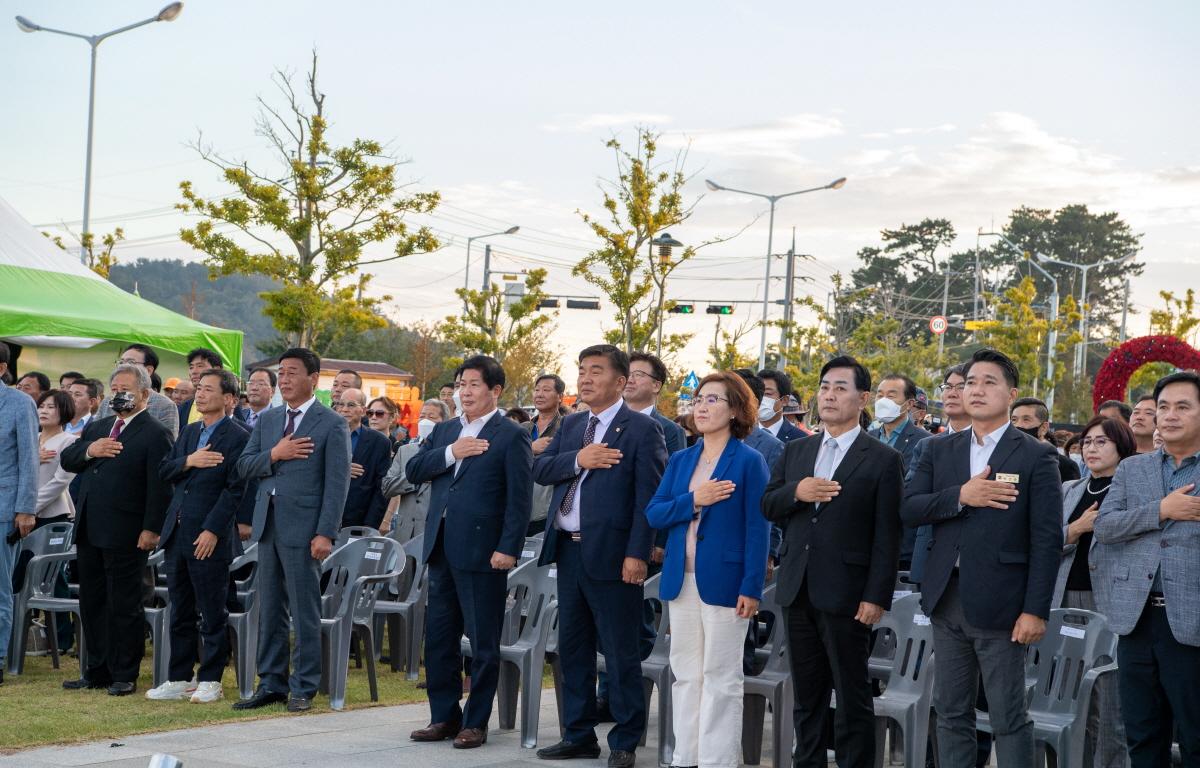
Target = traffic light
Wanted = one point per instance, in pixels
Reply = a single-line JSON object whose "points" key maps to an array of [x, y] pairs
{"points": [[548, 304], [580, 304], [719, 309], [683, 309]]}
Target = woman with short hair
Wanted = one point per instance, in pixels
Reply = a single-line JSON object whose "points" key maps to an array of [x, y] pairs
{"points": [[715, 565]]}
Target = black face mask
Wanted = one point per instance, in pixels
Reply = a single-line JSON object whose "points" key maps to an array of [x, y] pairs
{"points": [[1031, 431]]}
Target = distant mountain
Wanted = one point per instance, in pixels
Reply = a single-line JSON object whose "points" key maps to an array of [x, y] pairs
{"points": [[227, 302]]}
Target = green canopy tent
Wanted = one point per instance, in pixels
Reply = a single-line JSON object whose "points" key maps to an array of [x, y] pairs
{"points": [[64, 316]]}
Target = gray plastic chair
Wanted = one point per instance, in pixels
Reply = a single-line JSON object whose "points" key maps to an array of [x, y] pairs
{"points": [[353, 532], [405, 616], [358, 570], [1076, 650], [908, 698], [159, 619], [244, 625], [51, 547], [523, 660], [656, 673], [772, 686]]}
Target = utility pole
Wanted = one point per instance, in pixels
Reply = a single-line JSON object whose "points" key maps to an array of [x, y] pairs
{"points": [[788, 297], [487, 266], [945, 309], [1124, 310]]}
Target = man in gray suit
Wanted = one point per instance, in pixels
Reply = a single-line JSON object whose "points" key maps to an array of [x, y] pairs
{"points": [[19, 479], [1146, 582], [300, 455]]}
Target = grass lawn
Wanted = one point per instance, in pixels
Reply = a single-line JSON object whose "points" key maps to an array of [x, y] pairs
{"points": [[35, 710]]}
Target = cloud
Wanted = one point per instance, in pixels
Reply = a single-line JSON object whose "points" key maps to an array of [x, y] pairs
{"points": [[587, 123], [779, 139]]}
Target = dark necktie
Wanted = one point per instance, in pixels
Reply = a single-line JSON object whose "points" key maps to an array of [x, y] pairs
{"points": [[116, 430], [291, 422], [589, 436]]}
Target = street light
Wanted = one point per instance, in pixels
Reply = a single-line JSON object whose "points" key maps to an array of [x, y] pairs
{"points": [[467, 273], [715, 187], [1081, 347], [168, 13], [664, 243]]}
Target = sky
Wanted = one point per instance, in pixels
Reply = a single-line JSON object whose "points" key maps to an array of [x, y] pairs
{"points": [[942, 109]]}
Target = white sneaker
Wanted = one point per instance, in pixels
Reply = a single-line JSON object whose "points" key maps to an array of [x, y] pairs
{"points": [[171, 691], [207, 692]]}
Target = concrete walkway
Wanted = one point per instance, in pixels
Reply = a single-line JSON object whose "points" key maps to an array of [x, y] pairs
{"points": [[366, 737]]}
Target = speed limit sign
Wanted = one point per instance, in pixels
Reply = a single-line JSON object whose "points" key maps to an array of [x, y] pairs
{"points": [[938, 324]]}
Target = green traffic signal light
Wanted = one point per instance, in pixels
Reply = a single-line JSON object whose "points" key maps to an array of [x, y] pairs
{"points": [[683, 309], [720, 309]]}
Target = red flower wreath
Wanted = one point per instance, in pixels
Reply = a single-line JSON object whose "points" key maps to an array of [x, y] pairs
{"points": [[1112, 380]]}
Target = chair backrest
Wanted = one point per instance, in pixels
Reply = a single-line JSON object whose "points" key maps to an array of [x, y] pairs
{"points": [[913, 632], [353, 532], [411, 591], [50, 539], [1076, 641], [536, 590], [532, 549], [359, 557], [662, 630], [776, 645]]}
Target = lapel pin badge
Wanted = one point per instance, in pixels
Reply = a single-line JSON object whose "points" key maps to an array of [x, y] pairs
{"points": [[1007, 477]]}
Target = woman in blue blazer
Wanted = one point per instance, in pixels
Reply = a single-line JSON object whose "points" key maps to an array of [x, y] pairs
{"points": [[715, 565]]}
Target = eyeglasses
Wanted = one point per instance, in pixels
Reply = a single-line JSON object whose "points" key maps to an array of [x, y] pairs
{"points": [[952, 387], [1095, 442], [643, 375], [711, 399], [128, 361], [377, 414], [339, 404]]}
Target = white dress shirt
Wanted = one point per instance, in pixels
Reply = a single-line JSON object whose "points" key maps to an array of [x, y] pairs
{"points": [[570, 521], [981, 453], [774, 428], [469, 429], [299, 416], [841, 447], [648, 410]]}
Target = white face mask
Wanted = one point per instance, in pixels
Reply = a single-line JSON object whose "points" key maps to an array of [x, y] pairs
{"points": [[458, 406], [766, 409], [886, 411], [425, 427]]}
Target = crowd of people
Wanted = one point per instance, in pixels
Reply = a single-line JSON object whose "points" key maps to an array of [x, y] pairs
{"points": [[990, 514]]}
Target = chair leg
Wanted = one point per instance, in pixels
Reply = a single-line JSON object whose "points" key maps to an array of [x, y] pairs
{"points": [[754, 709], [392, 624], [782, 725], [16, 642], [369, 642], [531, 699], [339, 667], [52, 637], [666, 726], [507, 691]]}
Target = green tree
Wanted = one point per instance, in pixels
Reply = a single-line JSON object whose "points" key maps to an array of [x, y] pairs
{"points": [[725, 352], [1176, 318], [645, 200], [1020, 331], [100, 260], [510, 328], [1074, 234], [307, 229]]}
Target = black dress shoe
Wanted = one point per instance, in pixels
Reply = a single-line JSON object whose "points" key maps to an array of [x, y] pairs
{"points": [[261, 698], [567, 750], [84, 684], [299, 704], [121, 689], [619, 758]]}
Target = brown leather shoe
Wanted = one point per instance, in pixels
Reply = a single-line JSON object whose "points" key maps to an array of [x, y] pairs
{"points": [[436, 732], [469, 738]]}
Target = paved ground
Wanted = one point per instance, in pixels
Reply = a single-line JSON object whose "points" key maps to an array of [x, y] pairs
{"points": [[369, 737]]}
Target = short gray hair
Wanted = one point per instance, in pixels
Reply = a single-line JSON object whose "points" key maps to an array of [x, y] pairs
{"points": [[445, 409], [140, 374]]}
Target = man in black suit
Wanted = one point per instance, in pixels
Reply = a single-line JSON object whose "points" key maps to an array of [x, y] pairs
{"points": [[994, 499], [605, 464], [837, 495], [777, 388], [1031, 416], [199, 540], [480, 468], [199, 361], [122, 503], [894, 401], [370, 459]]}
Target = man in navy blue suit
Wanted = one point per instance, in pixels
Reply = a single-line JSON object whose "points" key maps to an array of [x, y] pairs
{"points": [[480, 468], [370, 459], [605, 465], [777, 388], [199, 540]]}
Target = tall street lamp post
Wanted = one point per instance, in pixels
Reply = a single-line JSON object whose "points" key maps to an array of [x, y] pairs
{"points": [[1081, 347], [772, 199], [168, 13], [467, 272]]}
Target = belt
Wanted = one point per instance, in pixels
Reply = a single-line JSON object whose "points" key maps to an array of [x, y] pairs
{"points": [[1157, 601], [575, 536]]}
